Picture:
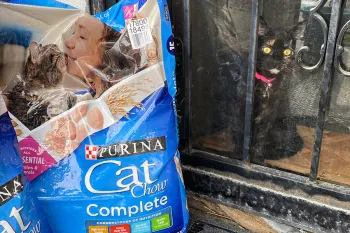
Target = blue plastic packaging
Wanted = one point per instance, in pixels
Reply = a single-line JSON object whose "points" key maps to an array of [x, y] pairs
{"points": [[101, 148]]}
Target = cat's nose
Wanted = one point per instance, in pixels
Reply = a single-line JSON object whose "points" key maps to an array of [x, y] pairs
{"points": [[274, 71]]}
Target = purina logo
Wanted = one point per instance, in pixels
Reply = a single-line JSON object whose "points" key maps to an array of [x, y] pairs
{"points": [[91, 152], [10, 189], [121, 149]]}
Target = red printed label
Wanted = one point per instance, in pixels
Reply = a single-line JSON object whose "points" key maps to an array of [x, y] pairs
{"points": [[120, 229]]}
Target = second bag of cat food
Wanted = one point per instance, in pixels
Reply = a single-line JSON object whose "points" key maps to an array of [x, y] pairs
{"points": [[91, 98], [19, 208]]}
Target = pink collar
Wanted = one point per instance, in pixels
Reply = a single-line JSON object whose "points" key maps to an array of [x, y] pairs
{"points": [[263, 78]]}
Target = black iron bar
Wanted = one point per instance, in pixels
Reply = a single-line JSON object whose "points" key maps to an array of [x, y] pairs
{"points": [[110, 3], [251, 80], [97, 6], [326, 85], [187, 74]]}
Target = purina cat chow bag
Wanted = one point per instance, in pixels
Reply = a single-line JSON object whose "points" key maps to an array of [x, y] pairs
{"points": [[19, 209], [92, 102]]}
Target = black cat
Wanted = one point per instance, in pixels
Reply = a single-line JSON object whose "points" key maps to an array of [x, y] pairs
{"points": [[43, 70], [274, 136]]}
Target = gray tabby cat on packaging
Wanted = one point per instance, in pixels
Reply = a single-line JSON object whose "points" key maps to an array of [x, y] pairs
{"points": [[43, 71]]}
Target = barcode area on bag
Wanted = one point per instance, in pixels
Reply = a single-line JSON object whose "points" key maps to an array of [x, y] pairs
{"points": [[139, 33], [141, 39]]}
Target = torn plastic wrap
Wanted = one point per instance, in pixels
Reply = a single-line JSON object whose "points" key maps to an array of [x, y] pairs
{"points": [[92, 98]]}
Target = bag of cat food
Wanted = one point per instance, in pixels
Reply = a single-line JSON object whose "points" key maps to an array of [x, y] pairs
{"points": [[19, 209], [92, 100]]}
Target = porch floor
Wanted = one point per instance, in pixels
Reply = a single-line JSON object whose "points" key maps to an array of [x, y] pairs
{"points": [[334, 158], [209, 217]]}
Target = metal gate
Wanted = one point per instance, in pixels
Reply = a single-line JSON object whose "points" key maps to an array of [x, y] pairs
{"points": [[264, 106]]}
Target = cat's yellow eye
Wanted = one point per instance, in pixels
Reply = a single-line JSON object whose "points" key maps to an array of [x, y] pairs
{"points": [[267, 50], [287, 52]]}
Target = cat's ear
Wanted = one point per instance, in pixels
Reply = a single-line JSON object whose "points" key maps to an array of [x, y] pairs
{"points": [[33, 51], [299, 30], [262, 27]]}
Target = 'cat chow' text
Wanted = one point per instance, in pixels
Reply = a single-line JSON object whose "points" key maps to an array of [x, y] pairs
{"points": [[126, 177]]}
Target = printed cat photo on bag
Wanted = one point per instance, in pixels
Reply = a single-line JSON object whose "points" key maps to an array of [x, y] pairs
{"points": [[89, 52]]}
